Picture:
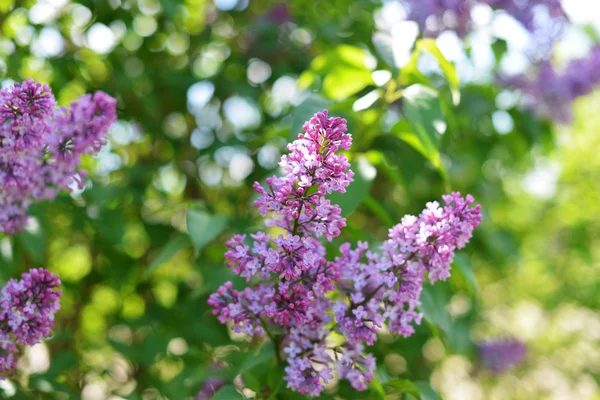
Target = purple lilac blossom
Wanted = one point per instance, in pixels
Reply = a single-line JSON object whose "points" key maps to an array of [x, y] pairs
{"points": [[41, 147], [291, 282], [209, 388], [550, 94], [502, 354], [435, 16], [27, 314]]}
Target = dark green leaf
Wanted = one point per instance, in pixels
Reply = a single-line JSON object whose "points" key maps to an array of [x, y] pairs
{"points": [[309, 107], [169, 250], [433, 306], [228, 393], [404, 386], [424, 113], [364, 174], [465, 268]]}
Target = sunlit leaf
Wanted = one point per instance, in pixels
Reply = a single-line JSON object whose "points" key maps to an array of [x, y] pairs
{"points": [[343, 82], [346, 70], [384, 43], [447, 67]]}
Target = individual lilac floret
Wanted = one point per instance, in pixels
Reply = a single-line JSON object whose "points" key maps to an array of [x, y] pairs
{"points": [[501, 355], [27, 316], [41, 148], [291, 283]]}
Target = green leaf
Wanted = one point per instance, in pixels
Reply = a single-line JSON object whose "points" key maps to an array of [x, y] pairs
{"points": [[309, 107], [433, 302], [204, 228], [342, 82], [448, 69], [34, 244], [251, 382], [426, 391], [404, 386], [275, 382], [265, 354], [228, 393], [169, 250], [364, 175], [464, 266], [345, 71], [384, 44], [424, 113]]}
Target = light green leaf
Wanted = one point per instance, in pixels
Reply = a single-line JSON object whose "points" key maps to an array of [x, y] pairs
{"points": [[433, 302], [448, 69], [426, 391], [346, 71], [228, 393], [173, 246], [309, 107], [384, 44], [364, 175], [342, 82], [204, 228]]}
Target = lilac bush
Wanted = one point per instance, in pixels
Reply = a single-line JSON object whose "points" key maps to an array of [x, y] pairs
{"points": [[27, 314], [501, 355], [41, 146], [298, 297]]}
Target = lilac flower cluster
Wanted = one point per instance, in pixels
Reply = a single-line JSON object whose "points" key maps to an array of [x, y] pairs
{"points": [[298, 297], [27, 314], [41, 147], [550, 94], [500, 355], [435, 16]]}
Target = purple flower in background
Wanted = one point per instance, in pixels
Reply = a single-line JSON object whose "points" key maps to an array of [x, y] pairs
{"points": [[550, 94], [500, 355], [209, 388], [291, 282], [279, 14], [27, 313], [41, 147], [435, 16]]}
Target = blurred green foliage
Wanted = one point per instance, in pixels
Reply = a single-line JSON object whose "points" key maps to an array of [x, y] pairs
{"points": [[208, 99]]}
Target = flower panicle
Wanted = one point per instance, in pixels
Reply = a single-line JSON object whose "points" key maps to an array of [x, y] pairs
{"points": [[291, 284], [27, 313], [41, 146]]}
